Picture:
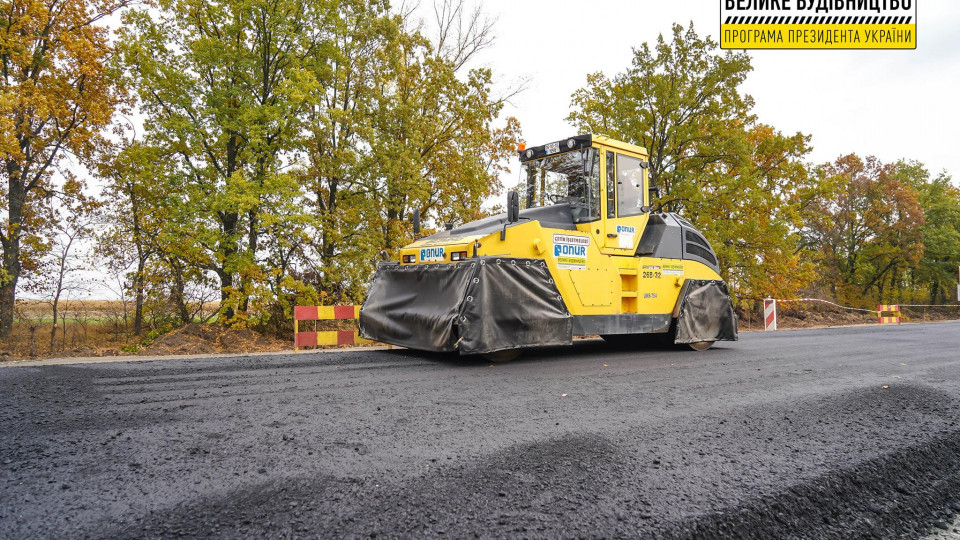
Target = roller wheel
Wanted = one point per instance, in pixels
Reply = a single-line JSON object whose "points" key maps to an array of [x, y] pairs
{"points": [[500, 357], [700, 345]]}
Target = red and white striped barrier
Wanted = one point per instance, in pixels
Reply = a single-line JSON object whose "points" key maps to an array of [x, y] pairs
{"points": [[769, 314]]}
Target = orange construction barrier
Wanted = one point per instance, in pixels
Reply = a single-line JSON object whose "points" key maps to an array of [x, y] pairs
{"points": [[893, 315]]}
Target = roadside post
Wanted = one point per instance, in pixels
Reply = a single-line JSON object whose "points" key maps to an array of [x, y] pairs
{"points": [[769, 314]]}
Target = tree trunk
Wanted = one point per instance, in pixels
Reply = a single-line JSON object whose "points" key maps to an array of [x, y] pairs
{"points": [[53, 331], [226, 285], [388, 230], [138, 239], [7, 297], [138, 298], [228, 244], [252, 239], [10, 240], [178, 295]]}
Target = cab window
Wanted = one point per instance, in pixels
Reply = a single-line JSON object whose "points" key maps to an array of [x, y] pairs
{"points": [[611, 186], [629, 186], [572, 179]]}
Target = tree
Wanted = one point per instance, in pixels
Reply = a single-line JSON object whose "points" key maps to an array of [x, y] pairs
{"points": [[225, 88], [742, 182], [134, 214], [359, 62], [940, 200], [71, 226], [749, 204], [399, 124], [439, 150], [869, 230], [673, 100], [57, 94]]}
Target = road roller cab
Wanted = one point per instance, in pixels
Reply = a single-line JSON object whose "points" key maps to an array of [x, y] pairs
{"points": [[577, 253]]}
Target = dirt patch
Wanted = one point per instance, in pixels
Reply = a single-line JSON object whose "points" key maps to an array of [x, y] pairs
{"points": [[87, 352], [198, 338]]}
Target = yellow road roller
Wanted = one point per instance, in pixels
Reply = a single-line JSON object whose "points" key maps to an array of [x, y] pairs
{"points": [[578, 253]]}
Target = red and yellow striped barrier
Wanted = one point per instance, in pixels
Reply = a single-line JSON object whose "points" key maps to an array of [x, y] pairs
{"points": [[325, 338], [893, 315]]}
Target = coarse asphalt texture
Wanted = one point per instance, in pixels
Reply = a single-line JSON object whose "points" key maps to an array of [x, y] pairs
{"points": [[828, 433]]}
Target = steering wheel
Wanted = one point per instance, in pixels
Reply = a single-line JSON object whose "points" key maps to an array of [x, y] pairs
{"points": [[554, 199]]}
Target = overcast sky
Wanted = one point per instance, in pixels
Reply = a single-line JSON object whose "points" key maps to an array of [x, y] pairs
{"points": [[891, 104]]}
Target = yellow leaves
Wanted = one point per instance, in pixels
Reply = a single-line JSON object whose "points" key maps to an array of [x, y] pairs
{"points": [[56, 97]]}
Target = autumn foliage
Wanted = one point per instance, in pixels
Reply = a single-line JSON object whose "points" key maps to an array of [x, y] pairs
{"points": [[856, 229], [270, 152], [57, 94]]}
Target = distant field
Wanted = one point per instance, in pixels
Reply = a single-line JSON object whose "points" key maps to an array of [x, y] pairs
{"points": [[85, 327], [89, 310]]}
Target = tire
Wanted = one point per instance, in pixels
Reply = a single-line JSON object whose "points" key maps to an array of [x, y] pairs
{"points": [[700, 345], [666, 339]]}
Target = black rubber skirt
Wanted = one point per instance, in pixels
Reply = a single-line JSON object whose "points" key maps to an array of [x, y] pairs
{"points": [[478, 306], [706, 313]]}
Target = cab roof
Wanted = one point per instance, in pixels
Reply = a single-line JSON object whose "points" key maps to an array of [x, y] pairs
{"points": [[620, 145], [578, 142]]}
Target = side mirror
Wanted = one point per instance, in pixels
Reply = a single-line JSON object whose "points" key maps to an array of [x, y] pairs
{"points": [[513, 207], [416, 222]]}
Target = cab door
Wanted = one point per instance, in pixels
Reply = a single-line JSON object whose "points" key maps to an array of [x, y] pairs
{"points": [[626, 210]]}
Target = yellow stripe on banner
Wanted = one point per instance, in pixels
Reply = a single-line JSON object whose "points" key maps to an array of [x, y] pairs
{"points": [[356, 312], [325, 313], [357, 340], [818, 36], [326, 338]]}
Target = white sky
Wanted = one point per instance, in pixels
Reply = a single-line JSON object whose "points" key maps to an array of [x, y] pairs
{"points": [[891, 104]]}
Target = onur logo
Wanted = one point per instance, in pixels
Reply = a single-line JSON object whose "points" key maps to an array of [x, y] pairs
{"points": [[564, 249], [431, 254], [571, 251]]}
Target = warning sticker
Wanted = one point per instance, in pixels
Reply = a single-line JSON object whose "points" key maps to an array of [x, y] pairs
{"points": [[818, 24], [571, 251], [625, 234], [673, 269]]}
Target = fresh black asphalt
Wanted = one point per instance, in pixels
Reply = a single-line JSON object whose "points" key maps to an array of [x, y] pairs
{"points": [[830, 433]]}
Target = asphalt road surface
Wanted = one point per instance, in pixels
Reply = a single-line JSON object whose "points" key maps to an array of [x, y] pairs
{"points": [[832, 433]]}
